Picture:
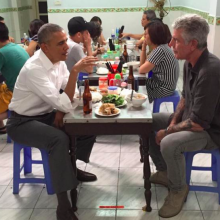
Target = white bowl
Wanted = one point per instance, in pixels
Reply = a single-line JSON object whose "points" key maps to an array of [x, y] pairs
{"points": [[135, 64], [130, 42], [102, 63], [137, 100]]}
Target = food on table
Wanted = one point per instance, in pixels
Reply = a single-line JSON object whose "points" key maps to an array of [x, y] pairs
{"points": [[139, 96], [115, 99], [92, 89], [108, 109]]}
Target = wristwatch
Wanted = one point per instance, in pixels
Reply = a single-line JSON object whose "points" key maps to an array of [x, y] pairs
{"points": [[166, 130]]}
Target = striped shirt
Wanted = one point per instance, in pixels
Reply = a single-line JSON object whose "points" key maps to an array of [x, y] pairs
{"points": [[165, 73], [35, 38]]}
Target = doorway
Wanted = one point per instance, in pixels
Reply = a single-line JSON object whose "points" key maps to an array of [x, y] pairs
{"points": [[41, 8]]}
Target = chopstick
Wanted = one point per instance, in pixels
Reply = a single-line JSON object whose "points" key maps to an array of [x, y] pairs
{"points": [[132, 94], [111, 67]]}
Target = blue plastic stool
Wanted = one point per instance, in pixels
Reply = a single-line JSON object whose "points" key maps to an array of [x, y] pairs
{"points": [[215, 169], [175, 98], [8, 137], [27, 166]]}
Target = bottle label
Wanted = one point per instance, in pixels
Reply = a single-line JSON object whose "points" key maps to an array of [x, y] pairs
{"points": [[129, 86], [90, 104]]}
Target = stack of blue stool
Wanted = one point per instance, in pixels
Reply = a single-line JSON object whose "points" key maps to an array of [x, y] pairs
{"points": [[27, 167], [215, 169]]}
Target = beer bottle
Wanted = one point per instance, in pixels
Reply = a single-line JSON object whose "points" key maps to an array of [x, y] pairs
{"points": [[87, 97], [125, 54], [130, 78]]}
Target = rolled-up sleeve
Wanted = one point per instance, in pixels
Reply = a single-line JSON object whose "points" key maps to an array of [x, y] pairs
{"points": [[205, 100]]}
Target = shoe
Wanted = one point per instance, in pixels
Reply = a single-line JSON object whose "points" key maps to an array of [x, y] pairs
{"points": [[65, 215], [85, 176], [173, 203], [160, 177]]}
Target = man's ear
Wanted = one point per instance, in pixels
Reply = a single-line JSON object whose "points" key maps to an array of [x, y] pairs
{"points": [[194, 44], [44, 47]]}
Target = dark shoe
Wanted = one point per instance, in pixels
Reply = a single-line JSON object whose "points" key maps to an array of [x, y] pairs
{"points": [[65, 215], [85, 176]]}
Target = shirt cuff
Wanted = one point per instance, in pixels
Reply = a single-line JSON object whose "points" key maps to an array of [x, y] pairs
{"points": [[65, 102]]}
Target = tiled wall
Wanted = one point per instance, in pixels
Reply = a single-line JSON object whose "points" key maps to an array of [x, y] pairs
{"points": [[17, 14]]}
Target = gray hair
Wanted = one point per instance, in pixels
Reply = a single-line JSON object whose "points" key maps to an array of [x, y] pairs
{"points": [[45, 32], [194, 27], [150, 14]]}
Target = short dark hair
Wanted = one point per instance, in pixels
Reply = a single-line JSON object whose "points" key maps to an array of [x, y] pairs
{"points": [[35, 26], [3, 32], [46, 32], [1, 19], [95, 30], [96, 19], [150, 14], [159, 32]]}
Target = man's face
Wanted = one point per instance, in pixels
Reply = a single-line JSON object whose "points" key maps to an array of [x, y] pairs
{"points": [[182, 51], [2, 21], [56, 48], [144, 20]]}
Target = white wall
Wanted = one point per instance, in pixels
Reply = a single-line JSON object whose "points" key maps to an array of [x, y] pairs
{"points": [[201, 5]]}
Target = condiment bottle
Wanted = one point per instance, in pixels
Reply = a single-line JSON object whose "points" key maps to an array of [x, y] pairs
{"points": [[103, 83], [87, 97], [125, 54], [130, 78]]}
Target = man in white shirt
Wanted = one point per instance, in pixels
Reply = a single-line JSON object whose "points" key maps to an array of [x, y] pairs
{"points": [[35, 96]]}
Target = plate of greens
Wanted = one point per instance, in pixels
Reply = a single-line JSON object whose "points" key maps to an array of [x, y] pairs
{"points": [[115, 99]]}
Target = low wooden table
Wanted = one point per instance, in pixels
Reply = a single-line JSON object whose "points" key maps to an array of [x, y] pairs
{"points": [[130, 121]]}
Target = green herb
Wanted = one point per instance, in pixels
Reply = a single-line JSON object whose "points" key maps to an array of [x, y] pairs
{"points": [[115, 99]]}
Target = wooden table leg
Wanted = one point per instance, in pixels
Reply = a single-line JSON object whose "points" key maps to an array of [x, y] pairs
{"points": [[147, 173]]}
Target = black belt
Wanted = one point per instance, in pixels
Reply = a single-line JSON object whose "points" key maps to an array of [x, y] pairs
{"points": [[14, 114]]}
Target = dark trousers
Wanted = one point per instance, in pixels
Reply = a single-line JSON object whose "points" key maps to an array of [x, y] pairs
{"points": [[38, 132]]}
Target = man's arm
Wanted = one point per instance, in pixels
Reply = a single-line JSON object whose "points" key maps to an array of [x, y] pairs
{"points": [[135, 36], [178, 112]]}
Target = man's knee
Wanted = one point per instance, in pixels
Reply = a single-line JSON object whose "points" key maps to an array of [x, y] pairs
{"points": [[170, 146]]}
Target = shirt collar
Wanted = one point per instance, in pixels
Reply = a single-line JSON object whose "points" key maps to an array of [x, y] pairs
{"points": [[199, 62], [46, 62]]}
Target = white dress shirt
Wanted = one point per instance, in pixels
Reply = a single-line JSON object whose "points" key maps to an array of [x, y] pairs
{"points": [[36, 91]]}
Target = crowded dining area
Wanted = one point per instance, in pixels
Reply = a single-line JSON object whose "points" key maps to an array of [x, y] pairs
{"points": [[109, 110]]}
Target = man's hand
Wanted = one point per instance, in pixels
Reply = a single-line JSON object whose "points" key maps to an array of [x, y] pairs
{"points": [[58, 121], [86, 39], [125, 35], [160, 135], [11, 39], [83, 63]]}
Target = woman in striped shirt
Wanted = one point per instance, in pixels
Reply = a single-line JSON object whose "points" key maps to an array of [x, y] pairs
{"points": [[161, 61]]}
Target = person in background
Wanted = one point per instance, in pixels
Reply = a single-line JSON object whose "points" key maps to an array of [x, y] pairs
{"points": [[195, 125], [146, 18], [161, 61], [35, 97], [35, 25], [101, 39], [12, 59], [78, 33], [11, 39], [95, 31]]}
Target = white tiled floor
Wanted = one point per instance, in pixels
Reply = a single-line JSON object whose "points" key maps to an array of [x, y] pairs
{"points": [[116, 162]]}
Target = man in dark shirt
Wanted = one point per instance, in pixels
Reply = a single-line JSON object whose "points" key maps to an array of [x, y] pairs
{"points": [[195, 125]]}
